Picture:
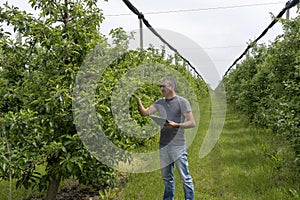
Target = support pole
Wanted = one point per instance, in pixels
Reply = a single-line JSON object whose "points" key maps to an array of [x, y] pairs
{"points": [[141, 31]]}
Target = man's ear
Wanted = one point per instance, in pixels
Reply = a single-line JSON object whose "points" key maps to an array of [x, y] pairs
{"points": [[173, 87]]}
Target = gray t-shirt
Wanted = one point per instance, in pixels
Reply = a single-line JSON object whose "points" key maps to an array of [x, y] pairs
{"points": [[173, 110]]}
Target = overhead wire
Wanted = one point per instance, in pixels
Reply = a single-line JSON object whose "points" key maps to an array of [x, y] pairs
{"points": [[141, 17], [197, 9], [288, 5]]}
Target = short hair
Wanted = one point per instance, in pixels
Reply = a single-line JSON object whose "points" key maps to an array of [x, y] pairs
{"points": [[170, 79]]}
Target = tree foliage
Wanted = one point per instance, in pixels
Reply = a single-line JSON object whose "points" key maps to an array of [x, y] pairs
{"points": [[37, 77], [265, 86]]}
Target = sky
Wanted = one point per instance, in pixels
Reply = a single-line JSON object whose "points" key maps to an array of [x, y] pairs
{"points": [[220, 29]]}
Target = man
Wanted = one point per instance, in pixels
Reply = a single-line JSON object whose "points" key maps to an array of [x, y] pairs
{"points": [[172, 145]]}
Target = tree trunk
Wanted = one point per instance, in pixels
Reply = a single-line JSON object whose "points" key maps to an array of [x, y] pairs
{"points": [[10, 155], [53, 187]]}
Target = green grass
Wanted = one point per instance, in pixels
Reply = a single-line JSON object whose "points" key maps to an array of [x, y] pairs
{"points": [[246, 163], [20, 193]]}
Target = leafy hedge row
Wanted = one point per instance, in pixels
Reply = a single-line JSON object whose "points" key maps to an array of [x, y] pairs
{"points": [[266, 85], [37, 81]]}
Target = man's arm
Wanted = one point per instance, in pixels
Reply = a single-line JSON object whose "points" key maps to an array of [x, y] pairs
{"points": [[145, 111], [189, 122]]}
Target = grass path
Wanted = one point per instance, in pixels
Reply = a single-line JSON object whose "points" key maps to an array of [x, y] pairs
{"points": [[241, 166]]}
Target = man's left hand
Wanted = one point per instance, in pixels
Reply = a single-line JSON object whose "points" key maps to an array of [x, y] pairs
{"points": [[172, 124]]}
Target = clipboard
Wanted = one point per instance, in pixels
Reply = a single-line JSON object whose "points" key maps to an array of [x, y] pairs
{"points": [[159, 120]]}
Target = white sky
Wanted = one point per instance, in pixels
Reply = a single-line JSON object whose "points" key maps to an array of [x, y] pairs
{"points": [[222, 33]]}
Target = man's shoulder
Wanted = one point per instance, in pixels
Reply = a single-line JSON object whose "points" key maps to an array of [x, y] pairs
{"points": [[180, 98], [159, 100]]}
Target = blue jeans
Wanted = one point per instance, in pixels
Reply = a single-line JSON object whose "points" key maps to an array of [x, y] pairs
{"points": [[170, 155]]}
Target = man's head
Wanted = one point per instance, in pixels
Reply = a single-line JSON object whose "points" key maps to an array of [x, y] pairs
{"points": [[168, 85]]}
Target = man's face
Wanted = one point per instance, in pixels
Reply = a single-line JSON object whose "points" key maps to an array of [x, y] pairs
{"points": [[166, 88]]}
